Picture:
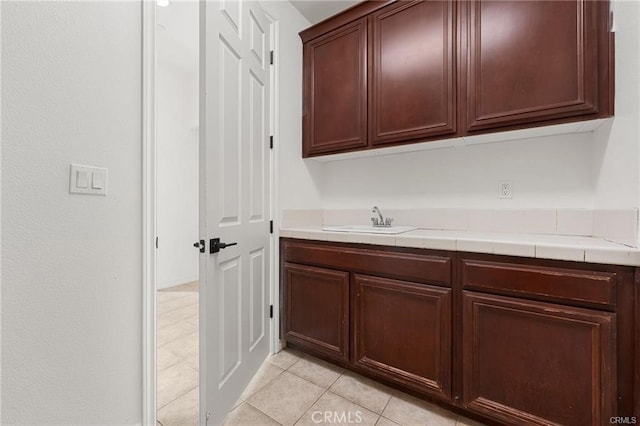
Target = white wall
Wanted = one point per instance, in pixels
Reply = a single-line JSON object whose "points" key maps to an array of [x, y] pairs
{"points": [[300, 180], [616, 152], [177, 143], [546, 173], [71, 306]]}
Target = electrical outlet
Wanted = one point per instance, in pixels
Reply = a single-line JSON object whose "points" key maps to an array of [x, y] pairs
{"points": [[506, 189]]}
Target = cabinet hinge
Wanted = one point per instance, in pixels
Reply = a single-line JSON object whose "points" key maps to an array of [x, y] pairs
{"points": [[271, 142], [271, 57], [612, 22], [271, 311], [271, 227]]}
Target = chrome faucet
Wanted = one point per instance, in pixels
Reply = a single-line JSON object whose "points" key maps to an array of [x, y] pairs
{"points": [[380, 220]]}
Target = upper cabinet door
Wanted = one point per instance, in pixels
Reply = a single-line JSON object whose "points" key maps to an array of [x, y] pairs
{"points": [[335, 97], [531, 61], [412, 71]]}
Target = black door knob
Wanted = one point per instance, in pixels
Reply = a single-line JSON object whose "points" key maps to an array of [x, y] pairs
{"points": [[215, 245]]}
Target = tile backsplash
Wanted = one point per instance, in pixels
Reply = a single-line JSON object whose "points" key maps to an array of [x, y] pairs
{"points": [[301, 218], [620, 226]]}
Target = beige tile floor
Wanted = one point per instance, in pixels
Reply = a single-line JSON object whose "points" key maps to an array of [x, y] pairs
{"points": [[290, 388], [177, 352]]}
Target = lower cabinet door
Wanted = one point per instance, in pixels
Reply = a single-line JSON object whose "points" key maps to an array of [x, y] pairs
{"points": [[527, 362], [317, 309], [402, 332]]}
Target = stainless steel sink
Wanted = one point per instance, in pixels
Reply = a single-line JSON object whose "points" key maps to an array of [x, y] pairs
{"points": [[369, 229]]}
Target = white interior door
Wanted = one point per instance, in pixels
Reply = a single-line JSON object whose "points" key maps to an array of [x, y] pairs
{"points": [[234, 200]]}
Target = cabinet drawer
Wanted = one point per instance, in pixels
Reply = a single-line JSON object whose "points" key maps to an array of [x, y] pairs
{"points": [[418, 268], [583, 287]]}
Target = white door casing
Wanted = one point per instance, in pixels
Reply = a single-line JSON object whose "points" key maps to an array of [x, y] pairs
{"points": [[234, 200]]}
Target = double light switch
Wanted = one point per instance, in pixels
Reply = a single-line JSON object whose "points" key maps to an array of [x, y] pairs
{"points": [[88, 180]]}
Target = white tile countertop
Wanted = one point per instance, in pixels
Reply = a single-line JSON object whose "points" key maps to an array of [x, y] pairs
{"points": [[559, 247]]}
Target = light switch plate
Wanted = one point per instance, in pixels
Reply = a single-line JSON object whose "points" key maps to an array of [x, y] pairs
{"points": [[88, 180]]}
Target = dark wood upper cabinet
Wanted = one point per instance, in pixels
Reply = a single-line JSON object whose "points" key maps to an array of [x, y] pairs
{"points": [[529, 362], [392, 72], [532, 61], [335, 90], [402, 331], [413, 73]]}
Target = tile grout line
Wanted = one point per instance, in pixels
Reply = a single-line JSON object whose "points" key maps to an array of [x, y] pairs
{"points": [[325, 390], [312, 404], [304, 378], [357, 404], [179, 294], [165, 313], [247, 402], [174, 288], [393, 393], [175, 399], [360, 405], [179, 297], [175, 340], [308, 381], [176, 321], [263, 386], [179, 322], [164, 300]]}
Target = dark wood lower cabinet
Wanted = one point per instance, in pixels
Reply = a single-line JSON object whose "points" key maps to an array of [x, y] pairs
{"points": [[511, 340], [402, 331], [538, 363], [317, 309]]}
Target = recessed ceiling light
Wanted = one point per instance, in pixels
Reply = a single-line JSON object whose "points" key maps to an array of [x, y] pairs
{"points": [[163, 3]]}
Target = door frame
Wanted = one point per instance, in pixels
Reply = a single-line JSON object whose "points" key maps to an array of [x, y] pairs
{"points": [[275, 344], [149, 221], [149, 207]]}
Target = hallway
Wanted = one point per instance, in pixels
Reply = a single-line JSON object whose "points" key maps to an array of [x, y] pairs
{"points": [[177, 334]]}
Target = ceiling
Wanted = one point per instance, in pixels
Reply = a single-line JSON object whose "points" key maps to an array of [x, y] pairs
{"points": [[318, 10]]}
